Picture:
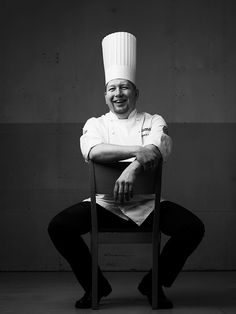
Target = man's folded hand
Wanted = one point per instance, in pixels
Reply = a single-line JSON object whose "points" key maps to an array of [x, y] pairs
{"points": [[123, 189]]}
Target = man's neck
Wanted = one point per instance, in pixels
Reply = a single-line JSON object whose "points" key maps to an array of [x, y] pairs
{"points": [[125, 116]]}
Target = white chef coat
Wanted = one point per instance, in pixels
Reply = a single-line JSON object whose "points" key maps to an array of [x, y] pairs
{"points": [[139, 129]]}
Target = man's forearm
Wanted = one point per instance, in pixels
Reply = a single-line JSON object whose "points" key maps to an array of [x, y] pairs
{"points": [[110, 152]]}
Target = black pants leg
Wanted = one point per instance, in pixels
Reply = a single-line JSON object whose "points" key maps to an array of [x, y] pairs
{"points": [[183, 227], [186, 231], [65, 231]]}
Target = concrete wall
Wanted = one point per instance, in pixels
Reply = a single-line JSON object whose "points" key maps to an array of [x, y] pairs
{"points": [[52, 81]]}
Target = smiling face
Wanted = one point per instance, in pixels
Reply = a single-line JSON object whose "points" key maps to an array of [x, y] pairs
{"points": [[121, 96]]}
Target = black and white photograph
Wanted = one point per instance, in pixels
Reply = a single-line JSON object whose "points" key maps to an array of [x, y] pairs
{"points": [[118, 156]]}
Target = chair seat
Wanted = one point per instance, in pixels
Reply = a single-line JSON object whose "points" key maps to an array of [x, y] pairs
{"points": [[125, 237], [125, 229]]}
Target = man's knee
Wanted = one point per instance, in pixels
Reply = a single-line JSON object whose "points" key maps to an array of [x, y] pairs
{"points": [[201, 229], [55, 226], [195, 231], [198, 229], [73, 220]]}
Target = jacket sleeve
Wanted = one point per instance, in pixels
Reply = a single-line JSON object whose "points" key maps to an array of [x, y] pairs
{"points": [[159, 137], [91, 137]]}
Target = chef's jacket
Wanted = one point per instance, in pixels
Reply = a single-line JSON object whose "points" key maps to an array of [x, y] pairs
{"points": [[138, 129]]}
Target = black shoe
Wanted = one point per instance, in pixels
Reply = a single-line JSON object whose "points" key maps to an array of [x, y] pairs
{"points": [[163, 301], [86, 301]]}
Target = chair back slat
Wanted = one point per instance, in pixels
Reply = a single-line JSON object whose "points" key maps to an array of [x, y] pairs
{"points": [[105, 176]]}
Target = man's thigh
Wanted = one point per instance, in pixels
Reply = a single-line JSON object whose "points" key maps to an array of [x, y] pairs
{"points": [[174, 218], [78, 217]]}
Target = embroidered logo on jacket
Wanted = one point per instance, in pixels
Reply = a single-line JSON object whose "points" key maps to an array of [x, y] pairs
{"points": [[145, 131]]}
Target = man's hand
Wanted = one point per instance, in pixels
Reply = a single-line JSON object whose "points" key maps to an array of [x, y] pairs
{"points": [[123, 189], [148, 156]]}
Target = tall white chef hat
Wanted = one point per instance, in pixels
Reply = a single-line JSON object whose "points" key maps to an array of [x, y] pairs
{"points": [[119, 56]]}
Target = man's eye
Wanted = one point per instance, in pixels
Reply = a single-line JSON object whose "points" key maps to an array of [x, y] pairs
{"points": [[124, 87], [111, 89]]}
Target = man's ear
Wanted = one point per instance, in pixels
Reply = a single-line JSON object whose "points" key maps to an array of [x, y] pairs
{"points": [[105, 94], [137, 93]]}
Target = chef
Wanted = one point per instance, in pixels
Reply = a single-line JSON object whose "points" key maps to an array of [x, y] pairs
{"points": [[124, 133]]}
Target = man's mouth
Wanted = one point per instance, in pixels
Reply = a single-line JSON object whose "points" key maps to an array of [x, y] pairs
{"points": [[120, 101]]}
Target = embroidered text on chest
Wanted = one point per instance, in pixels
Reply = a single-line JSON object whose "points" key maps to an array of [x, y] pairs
{"points": [[145, 131]]}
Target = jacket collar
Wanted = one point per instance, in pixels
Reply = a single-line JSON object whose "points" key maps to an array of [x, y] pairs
{"points": [[112, 116]]}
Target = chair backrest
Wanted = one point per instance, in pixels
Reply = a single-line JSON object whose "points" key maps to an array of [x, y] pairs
{"points": [[104, 176], [102, 181]]}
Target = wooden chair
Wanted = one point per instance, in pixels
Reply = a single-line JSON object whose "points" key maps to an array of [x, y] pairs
{"points": [[102, 181]]}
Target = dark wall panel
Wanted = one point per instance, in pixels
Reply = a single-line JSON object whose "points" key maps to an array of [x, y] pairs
{"points": [[42, 172]]}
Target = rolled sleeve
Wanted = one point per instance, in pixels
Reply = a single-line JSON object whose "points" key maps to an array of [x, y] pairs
{"points": [[90, 138], [159, 137]]}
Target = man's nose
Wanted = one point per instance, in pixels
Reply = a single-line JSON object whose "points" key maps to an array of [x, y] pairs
{"points": [[117, 91]]}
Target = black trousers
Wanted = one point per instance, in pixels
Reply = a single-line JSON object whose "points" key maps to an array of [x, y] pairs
{"points": [[184, 228]]}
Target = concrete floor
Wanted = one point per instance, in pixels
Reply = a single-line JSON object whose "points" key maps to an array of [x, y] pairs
{"points": [[56, 292]]}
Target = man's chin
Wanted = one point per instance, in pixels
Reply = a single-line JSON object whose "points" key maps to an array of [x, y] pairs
{"points": [[121, 110]]}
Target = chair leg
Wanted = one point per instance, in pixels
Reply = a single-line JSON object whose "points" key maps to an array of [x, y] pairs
{"points": [[94, 246], [155, 266]]}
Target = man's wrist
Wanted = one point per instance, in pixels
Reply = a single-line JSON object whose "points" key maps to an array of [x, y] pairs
{"points": [[136, 166]]}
